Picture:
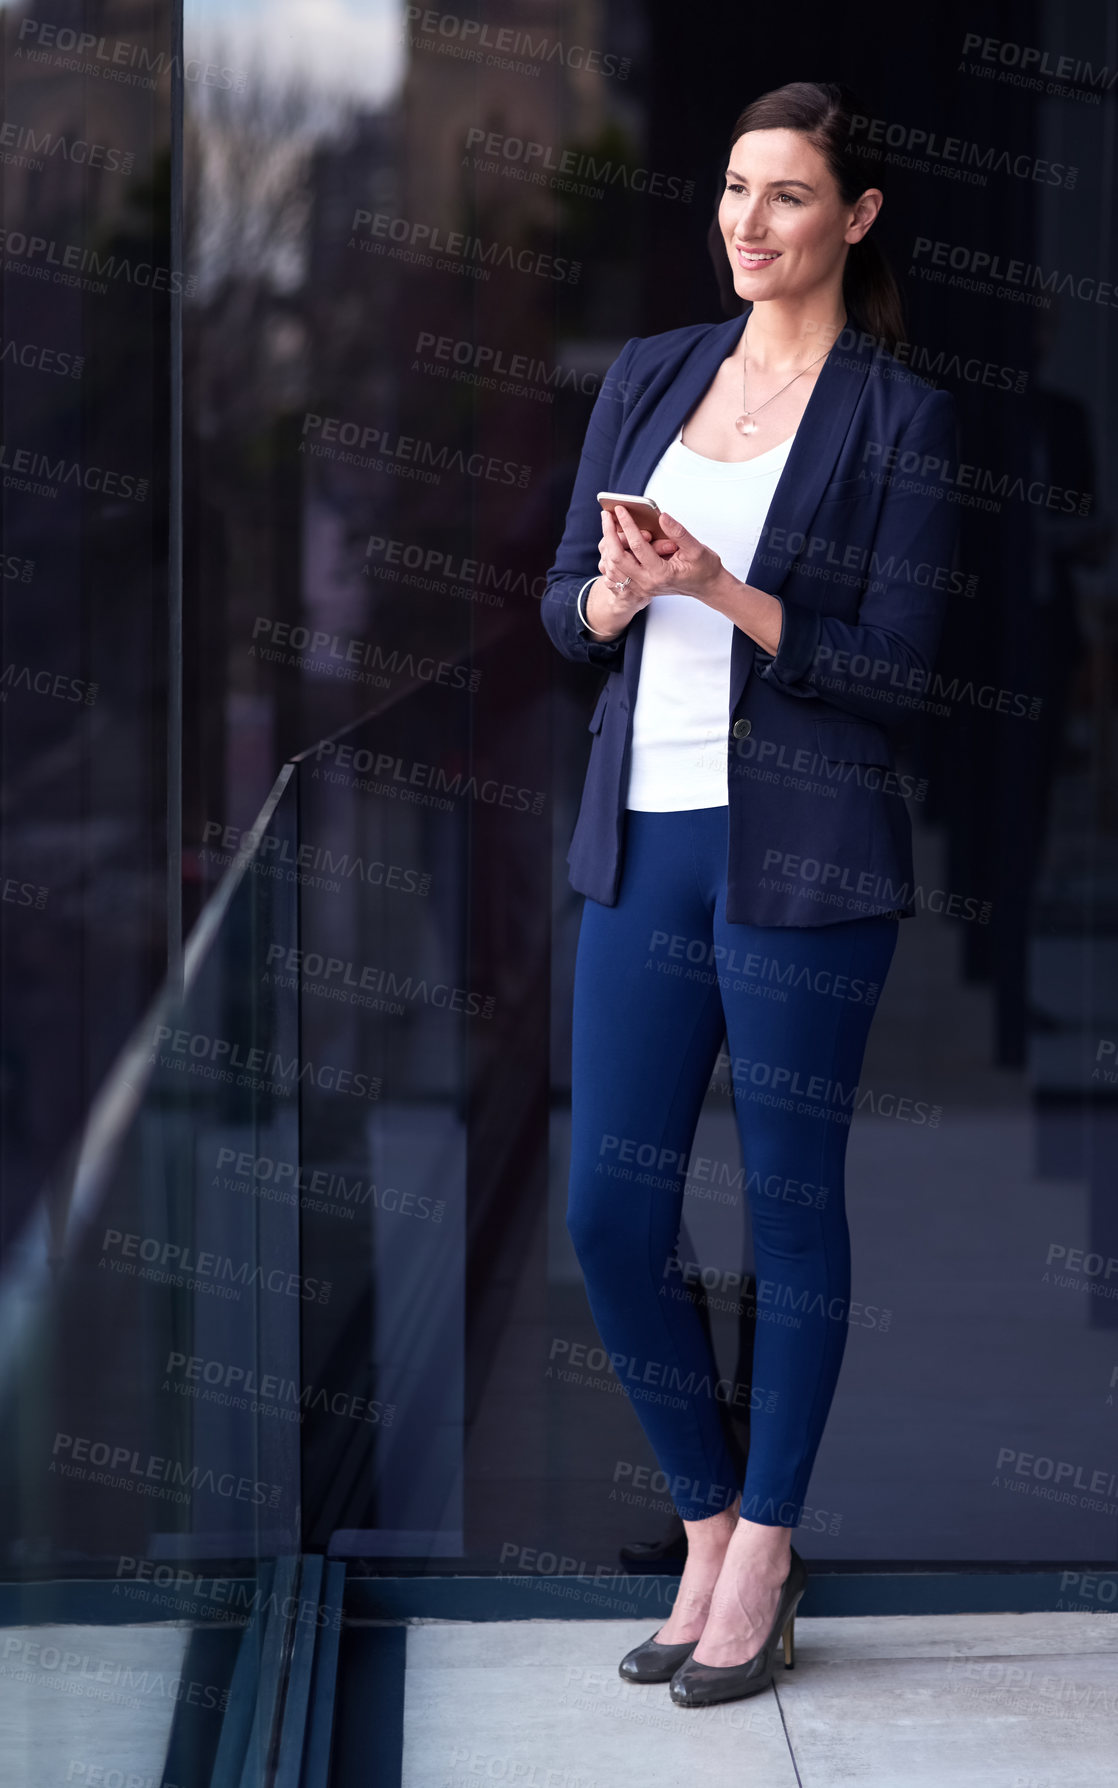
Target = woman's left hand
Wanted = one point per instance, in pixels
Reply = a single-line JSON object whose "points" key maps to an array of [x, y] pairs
{"points": [[681, 564]]}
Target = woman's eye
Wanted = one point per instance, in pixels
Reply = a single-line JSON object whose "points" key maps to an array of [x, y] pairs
{"points": [[791, 197]]}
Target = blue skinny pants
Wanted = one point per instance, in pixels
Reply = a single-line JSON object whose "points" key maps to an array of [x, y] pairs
{"points": [[660, 978]]}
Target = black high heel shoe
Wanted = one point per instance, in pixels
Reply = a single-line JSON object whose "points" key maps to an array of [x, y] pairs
{"points": [[700, 1685], [653, 1662]]}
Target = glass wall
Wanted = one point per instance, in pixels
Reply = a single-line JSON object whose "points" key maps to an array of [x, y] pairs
{"points": [[151, 1381], [85, 499], [397, 249]]}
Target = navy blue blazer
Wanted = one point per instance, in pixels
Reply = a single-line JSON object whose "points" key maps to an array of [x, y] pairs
{"points": [[859, 549]]}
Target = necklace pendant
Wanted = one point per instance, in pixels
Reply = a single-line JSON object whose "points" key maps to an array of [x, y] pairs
{"points": [[745, 425]]}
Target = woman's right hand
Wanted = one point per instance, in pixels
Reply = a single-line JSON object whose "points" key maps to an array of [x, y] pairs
{"points": [[609, 610]]}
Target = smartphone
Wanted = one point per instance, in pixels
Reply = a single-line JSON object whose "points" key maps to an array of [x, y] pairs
{"points": [[643, 511]]}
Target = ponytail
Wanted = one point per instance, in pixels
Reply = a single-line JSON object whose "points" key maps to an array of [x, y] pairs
{"points": [[871, 294]]}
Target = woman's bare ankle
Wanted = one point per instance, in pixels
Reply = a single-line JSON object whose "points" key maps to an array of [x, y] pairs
{"points": [[767, 1549], [713, 1532], [707, 1543]]}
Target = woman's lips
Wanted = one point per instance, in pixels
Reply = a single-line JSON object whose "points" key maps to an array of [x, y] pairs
{"points": [[757, 258]]}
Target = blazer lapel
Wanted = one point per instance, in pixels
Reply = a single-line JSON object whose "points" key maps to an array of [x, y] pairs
{"points": [[666, 402], [807, 471]]}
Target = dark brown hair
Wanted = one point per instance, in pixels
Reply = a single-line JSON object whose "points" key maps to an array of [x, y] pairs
{"points": [[823, 111]]}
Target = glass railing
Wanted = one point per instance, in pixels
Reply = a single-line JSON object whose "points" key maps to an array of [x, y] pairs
{"points": [[156, 1600], [233, 1337], [392, 1016]]}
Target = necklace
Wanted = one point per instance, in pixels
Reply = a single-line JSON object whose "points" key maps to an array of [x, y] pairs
{"points": [[744, 423]]}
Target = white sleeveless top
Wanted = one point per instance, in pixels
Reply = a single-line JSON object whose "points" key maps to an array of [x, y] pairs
{"points": [[682, 712]]}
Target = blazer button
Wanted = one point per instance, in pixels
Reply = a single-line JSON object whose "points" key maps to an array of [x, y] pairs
{"points": [[742, 729]]}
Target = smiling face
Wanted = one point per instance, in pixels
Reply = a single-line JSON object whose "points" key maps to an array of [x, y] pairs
{"points": [[784, 223]]}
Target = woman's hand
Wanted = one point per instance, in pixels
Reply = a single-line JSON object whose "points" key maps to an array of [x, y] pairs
{"points": [[681, 563]]}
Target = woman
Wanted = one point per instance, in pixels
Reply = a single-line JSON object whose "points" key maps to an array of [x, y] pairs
{"points": [[742, 832]]}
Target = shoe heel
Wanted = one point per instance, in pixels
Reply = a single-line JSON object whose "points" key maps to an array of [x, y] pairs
{"points": [[790, 1643]]}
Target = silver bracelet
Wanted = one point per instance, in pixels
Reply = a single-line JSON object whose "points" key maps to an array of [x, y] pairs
{"points": [[581, 612]]}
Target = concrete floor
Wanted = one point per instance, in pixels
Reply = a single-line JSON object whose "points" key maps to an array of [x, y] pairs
{"points": [[955, 1701], [87, 1705]]}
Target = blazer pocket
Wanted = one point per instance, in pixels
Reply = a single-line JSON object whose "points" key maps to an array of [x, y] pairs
{"points": [[600, 708], [853, 742]]}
